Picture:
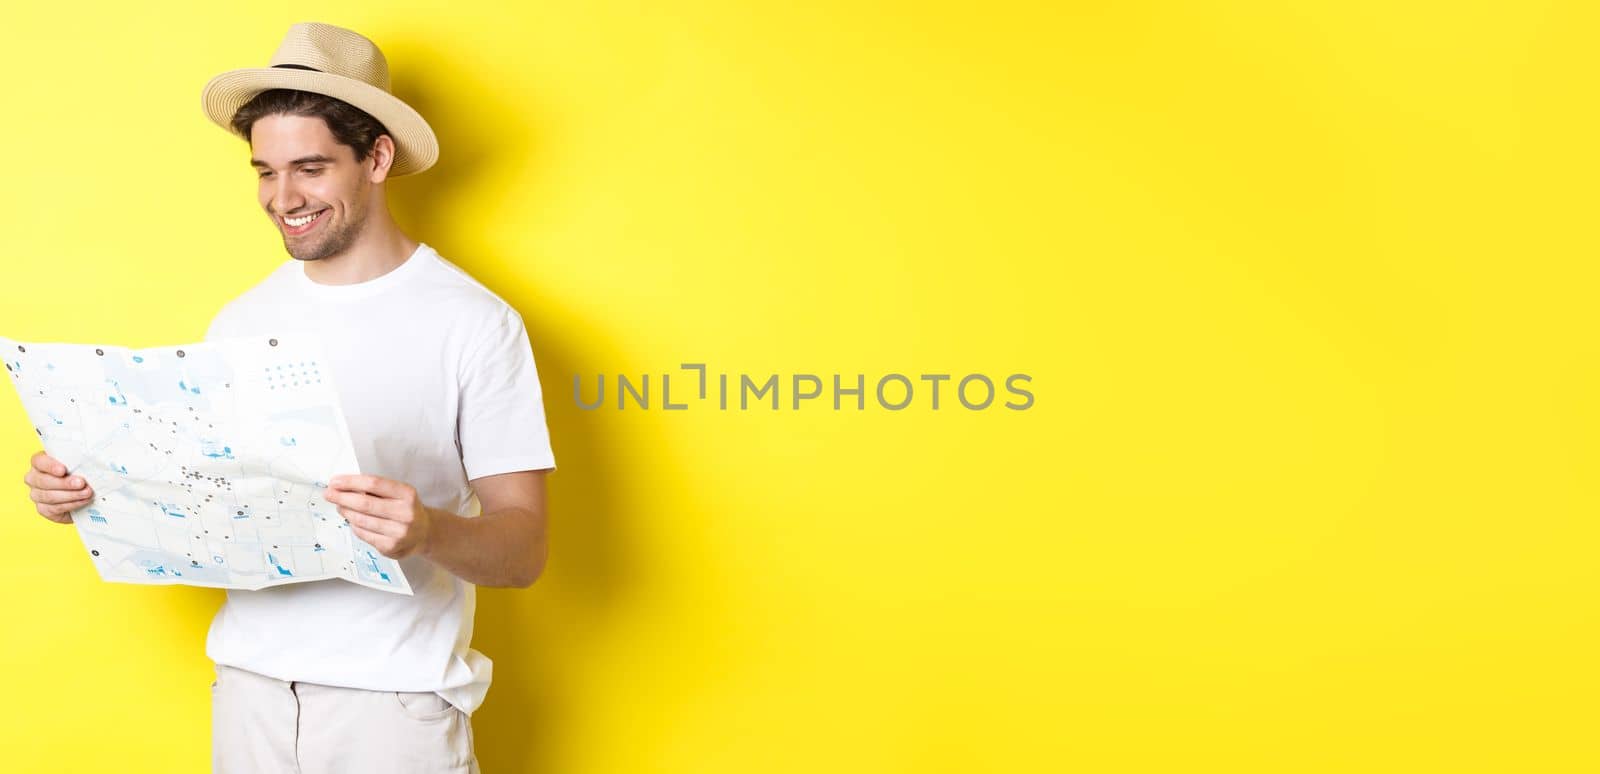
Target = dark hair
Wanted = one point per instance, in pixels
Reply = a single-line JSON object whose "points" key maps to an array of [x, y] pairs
{"points": [[349, 124]]}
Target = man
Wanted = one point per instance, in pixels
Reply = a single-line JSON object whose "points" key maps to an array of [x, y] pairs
{"points": [[436, 377]]}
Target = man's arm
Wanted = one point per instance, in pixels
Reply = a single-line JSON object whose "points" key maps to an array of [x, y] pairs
{"points": [[503, 546]]}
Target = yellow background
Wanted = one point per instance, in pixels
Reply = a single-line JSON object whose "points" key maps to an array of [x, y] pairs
{"points": [[1305, 290]]}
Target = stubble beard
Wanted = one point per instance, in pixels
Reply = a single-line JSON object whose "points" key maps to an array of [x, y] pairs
{"points": [[338, 238]]}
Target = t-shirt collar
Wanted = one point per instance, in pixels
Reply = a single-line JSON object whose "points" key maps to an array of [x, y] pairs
{"points": [[367, 288]]}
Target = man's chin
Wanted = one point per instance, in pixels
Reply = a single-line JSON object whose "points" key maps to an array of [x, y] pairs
{"points": [[303, 253]]}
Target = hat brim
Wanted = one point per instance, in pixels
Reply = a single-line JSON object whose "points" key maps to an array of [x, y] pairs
{"points": [[416, 148]]}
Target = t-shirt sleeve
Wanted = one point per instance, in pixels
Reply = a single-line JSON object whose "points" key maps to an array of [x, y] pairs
{"points": [[500, 422]]}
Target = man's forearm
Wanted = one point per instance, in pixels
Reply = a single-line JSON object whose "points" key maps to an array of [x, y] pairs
{"points": [[500, 548]]}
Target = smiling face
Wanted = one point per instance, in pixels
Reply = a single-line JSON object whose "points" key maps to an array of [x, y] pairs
{"points": [[311, 185]]}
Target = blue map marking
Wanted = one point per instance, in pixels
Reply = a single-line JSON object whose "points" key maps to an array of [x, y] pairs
{"points": [[209, 448], [373, 560], [274, 561], [118, 399]]}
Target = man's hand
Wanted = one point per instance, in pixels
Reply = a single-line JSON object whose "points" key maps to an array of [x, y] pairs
{"points": [[385, 513], [55, 495]]}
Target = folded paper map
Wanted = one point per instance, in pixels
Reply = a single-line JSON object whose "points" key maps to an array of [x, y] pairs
{"points": [[207, 461]]}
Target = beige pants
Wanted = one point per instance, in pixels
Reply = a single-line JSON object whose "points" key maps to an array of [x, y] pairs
{"points": [[260, 725]]}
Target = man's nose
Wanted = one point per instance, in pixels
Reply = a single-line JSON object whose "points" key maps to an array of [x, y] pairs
{"points": [[285, 199]]}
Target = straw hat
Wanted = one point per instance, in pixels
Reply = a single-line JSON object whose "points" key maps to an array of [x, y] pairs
{"points": [[339, 63]]}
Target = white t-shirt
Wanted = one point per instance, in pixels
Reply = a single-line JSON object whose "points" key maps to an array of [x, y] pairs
{"points": [[437, 381]]}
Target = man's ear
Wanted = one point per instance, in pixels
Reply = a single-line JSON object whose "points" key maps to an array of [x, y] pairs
{"points": [[382, 158]]}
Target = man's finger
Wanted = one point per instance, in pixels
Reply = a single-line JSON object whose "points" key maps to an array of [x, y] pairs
{"points": [[42, 480], [59, 509], [57, 497], [378, 485], [357, 501], [45, 463], [383, 543], [370, 523]]}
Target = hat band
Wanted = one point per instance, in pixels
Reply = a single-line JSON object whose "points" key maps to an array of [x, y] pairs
{"points": [[299, 67]]}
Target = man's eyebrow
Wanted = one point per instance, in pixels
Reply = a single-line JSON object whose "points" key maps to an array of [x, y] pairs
{"points": [[316, 159]]}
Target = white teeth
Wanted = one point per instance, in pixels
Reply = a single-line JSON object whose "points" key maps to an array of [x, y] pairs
{"points": [[298, 222]]}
